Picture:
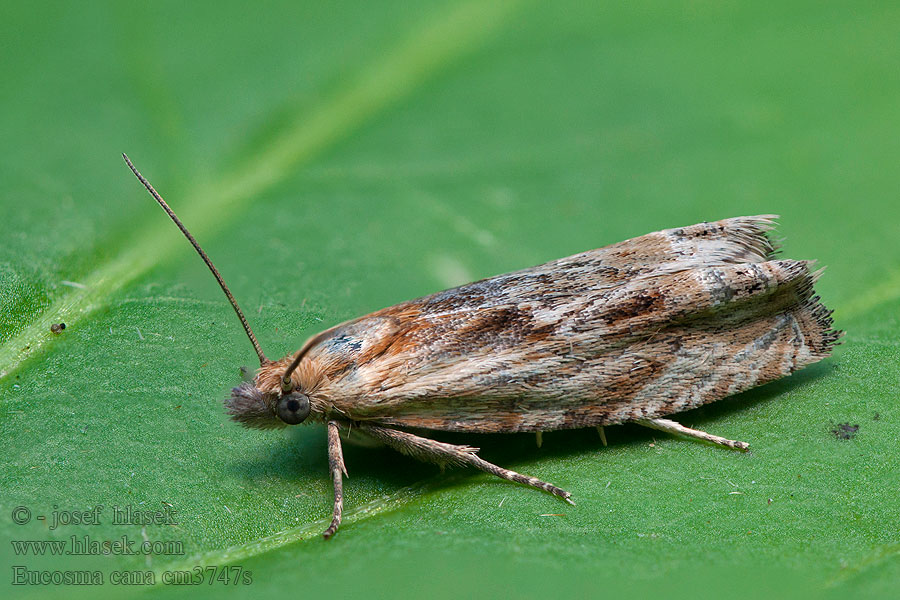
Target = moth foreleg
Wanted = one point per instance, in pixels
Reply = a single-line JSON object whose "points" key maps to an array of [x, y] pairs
{"points": [[444, 454], [679, 429], [336, 465]]}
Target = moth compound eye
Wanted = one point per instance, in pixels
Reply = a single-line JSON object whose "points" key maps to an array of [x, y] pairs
{"points": [[293, 408]]}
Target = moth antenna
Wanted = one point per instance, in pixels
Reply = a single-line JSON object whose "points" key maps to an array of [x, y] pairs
{"points": [[287, 384], [262, 357]]}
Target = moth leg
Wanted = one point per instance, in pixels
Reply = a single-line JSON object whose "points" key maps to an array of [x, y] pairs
{"points": [[444, 454], [487, 467], [336, 464], [679, 429], [602, 433]]}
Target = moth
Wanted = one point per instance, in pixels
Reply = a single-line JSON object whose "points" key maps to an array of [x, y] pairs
{"points": [[633, 332]]}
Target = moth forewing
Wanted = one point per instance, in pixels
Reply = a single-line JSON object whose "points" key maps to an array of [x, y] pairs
{"points": [[501, 361], [635, 331]]}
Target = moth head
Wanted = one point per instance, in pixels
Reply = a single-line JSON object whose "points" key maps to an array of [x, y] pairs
{"points": [[251, 407]]}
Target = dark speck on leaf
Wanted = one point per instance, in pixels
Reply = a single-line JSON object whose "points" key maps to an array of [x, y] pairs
{"points": [[845, 431]]}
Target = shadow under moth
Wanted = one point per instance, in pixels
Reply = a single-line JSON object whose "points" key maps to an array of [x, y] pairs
{"points": [[633, 332]]}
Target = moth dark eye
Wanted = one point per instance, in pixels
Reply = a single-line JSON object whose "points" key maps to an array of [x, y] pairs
{"points": [[293, 408]]}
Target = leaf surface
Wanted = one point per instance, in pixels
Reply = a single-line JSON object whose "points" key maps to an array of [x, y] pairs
{"points": [[339, 159]]}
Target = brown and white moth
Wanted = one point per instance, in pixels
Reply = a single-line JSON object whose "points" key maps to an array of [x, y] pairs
{"points": [[632, 332]]}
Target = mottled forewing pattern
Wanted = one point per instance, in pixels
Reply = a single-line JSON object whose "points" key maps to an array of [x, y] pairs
{"points": [[644, 328]]}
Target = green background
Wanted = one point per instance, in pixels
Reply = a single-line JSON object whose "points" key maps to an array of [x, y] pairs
{"points": [[337, 159]]}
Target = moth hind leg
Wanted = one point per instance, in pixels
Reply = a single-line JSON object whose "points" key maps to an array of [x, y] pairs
{"points": [[679, 429], [444, 454]]}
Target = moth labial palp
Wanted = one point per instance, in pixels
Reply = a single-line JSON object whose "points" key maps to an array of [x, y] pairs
{"points": [[633, 332]]}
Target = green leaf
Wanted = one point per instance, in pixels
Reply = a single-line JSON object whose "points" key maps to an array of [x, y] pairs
{"points": [[337, 159]]}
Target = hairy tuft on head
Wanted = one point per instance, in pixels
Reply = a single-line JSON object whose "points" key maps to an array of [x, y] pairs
{"points": [[252, 408]]}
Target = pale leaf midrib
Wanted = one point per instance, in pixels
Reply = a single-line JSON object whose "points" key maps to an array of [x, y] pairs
{"points": [[313, 531], [384, 82]]}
